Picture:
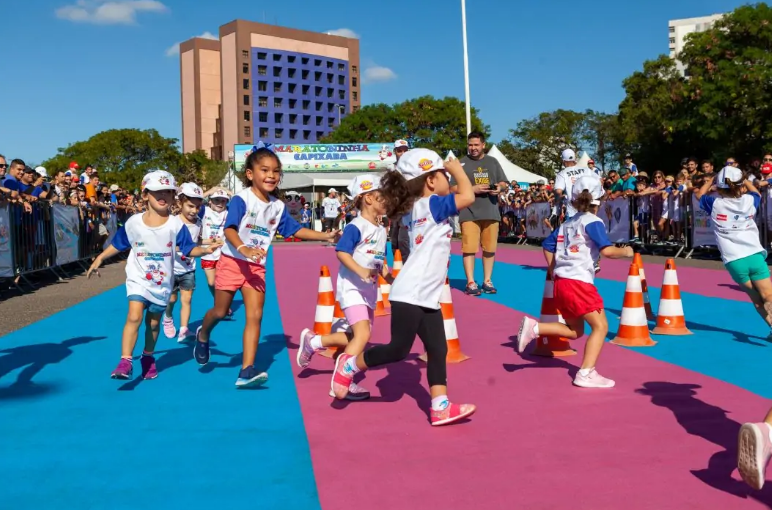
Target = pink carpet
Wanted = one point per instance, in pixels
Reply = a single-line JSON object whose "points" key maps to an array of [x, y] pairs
{"points": [[536, 441]]}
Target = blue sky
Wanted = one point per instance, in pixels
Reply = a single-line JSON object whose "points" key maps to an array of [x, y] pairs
{"points": [[72, 68]]}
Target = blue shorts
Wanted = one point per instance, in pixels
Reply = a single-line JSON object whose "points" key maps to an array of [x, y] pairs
{"points": [[150, 307], [185, 281]]}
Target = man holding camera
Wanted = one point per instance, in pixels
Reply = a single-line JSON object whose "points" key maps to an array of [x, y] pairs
{"points": [[480, 221]]}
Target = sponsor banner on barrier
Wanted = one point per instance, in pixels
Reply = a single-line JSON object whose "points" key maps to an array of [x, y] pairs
{"points": [[112, 227], [702, 232], [535, 224], [66, 232], [322, 157], [616, 216], [6, 255]]}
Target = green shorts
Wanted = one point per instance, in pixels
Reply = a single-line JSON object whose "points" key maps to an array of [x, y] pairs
{"points": [[753, 267]]}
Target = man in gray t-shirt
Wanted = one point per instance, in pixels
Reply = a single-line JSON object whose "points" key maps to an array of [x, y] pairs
{"points": [[480, 221]]}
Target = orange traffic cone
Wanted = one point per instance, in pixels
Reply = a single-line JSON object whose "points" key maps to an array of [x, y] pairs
{"points": [[633, 327], [380, 306], [325, 304], [551, 346], [385, 290], [671, 320], [339, 324], [638, 261], [451, 331], [397, 267]]}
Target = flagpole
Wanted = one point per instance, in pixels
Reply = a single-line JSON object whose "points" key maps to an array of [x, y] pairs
{"points": [[466, 70]]}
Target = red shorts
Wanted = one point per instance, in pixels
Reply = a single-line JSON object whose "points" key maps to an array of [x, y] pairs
{"points": [[233, 274], [208, 264], [575, 299]]}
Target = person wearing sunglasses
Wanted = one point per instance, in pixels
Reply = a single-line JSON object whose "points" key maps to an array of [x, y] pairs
{"points": [[3, 167]]}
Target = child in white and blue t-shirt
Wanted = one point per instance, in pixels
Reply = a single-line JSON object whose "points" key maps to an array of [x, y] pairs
{"points": [[153, 238], [419, 193], [362, 255]]}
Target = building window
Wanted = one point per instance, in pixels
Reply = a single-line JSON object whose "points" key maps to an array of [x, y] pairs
{"points": [[262, 70], [293, 119], [318, 75], [262, 56], [293, 103], [291, 58], [277, 102], [355, 109], [277, 86], [672, 40], [353, 69], [354, 82], [319, 121], [341, 95], [263, 132], [263, 116], [329, 65], [306, 104], [277, 71], [319, 106], [279, 133], [330, 77], [245, 68], [319, 134], [293, 134], [291, 88], [306, 88], [262, 86], [354, 95], [672, 30], [291, 72], [330, 106], [306, 119], [263, 102], [341, 67], [245, 84], [304, 60], [276, 57], [330, 121], [246, 99], [278, 118], [330, 92], [341, 80], [247, 131], [306, 134], [245, 53], [318, 62], [304, 74], [318, 91], [247, 116]]}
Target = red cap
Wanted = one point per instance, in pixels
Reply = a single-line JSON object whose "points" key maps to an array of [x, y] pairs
{"points": [[73, 165], [766, 168], [591, 161]]}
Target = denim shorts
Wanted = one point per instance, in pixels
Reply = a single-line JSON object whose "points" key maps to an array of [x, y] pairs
{"points": [[185, 281], [150, 307]]}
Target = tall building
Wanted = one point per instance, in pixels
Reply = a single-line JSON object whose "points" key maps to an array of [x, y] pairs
{"points": [[265, 83], [679, 28]]}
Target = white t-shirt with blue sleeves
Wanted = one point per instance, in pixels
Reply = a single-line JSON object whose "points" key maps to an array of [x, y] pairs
{"points": [[423, 276], [577, 244], [150, 267], [366, 243], [734, 225], [257, 223], [182, 263]]}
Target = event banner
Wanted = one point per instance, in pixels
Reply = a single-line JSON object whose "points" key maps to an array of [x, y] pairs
{"points": [[6, 255], [702, 232], [112, 227], [66, 232], [616, 216], [340, 157], [536, 220]]}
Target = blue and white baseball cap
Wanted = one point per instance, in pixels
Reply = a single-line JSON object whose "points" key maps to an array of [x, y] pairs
{"points": [[730, 172]]}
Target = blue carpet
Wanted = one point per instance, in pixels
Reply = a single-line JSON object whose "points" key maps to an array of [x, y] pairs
{"points": [[75, 439]]}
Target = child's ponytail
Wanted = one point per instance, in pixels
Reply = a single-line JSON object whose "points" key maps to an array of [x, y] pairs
{"points": [[583, 202], [400, 194]]}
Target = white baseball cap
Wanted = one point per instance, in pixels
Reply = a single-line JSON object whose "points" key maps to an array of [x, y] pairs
{"points": [[332, 190], [400, 143], [364, 184], [418, 162], [569, 155], [220, 194], [114, 187], [159, 180], [190, 190], [590, 183], [41, 171], [732, 173]]}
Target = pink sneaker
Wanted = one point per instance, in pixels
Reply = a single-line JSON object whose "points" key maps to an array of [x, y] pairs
{"points": [[355, 393], [753, 451], [149, 371], [341, 380], [123, 370], [305, 351], [169, 330], [592, 380], [526, 335], [452, 414]]}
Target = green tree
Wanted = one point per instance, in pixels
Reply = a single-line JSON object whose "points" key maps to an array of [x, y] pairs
{"points": [[197, 167], [437, 124]]}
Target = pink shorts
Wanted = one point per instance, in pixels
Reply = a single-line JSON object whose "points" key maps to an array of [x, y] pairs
{"points": [[574, 298], [233, 274], [208, 264], [359, 313]]}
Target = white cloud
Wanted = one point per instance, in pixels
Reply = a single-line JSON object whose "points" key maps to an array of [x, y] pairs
{"points": [[115, 12], [174, 49], [344, 32], [375, 74]]}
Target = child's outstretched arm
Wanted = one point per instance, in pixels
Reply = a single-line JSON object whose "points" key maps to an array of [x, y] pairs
{"points": [[596, 231], [612, 252], [464, 194], [120, 243]]}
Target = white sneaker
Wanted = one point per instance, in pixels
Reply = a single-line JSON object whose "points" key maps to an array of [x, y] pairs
{"points": [[592, 380], [526, 335], [305, 351], [183, 335]]}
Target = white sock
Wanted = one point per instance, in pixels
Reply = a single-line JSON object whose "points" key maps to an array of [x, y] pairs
{"points": [[440, 403], [586, 371], [536, 329], [769, 431], [316, 342], [351, 366]]}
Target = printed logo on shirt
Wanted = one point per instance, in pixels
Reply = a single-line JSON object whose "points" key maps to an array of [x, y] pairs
{"points": [[425, 165], [481, 176], [574, 248], [721, 217], [272, 221], [419, 239], [169, 244], [257, 229], [155, 274], [418, 223]]}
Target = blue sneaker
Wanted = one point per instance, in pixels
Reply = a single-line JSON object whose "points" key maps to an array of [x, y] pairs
{"points": [[488, 288], [201, 350], [472, 289], [250, 378]]}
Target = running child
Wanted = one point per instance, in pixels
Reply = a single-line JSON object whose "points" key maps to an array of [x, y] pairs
{"points": [[362, 254], [153, 238], [254, 217], [189, 200], [418, 192], [570, 251], [212, 230]]}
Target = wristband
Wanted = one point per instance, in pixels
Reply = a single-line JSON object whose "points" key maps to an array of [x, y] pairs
{"points": [[240, 247]]}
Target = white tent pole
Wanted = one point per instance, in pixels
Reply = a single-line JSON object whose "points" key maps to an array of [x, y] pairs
{"points": [[466, 70]]}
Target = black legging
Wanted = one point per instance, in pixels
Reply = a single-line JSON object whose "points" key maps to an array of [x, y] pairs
{"points": [[407, 321], [400, 239]]}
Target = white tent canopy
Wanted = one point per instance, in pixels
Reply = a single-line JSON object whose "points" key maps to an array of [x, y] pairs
{"points": [[511, 170], [582, 162], [292, 180]]}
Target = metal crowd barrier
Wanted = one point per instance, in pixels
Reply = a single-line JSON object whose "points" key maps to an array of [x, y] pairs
{"points": [[42, 236]]}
